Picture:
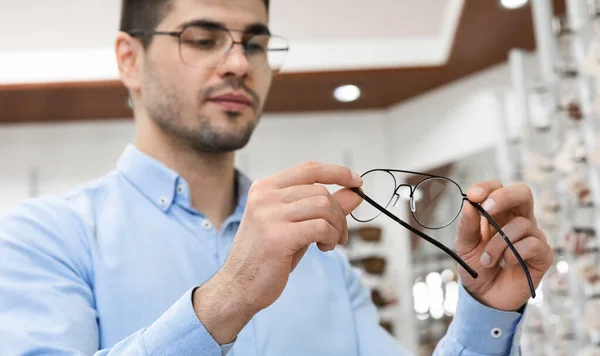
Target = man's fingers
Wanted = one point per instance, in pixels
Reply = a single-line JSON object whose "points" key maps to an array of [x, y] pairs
{"points": [[516, 230], [325, 247], [469, 229], [318, 231], [480, 191], [537, 253], [517, 196], [314, 172], [298, 192], [347, 199], [470, 224], [317, 207]]}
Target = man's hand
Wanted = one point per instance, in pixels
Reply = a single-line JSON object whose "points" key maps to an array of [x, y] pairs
{"points": [[284, 214], [502, 283]]}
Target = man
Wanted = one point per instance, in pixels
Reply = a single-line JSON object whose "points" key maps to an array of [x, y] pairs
{"points": [[176, 253]]}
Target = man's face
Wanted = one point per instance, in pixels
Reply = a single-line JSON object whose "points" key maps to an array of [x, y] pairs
{"points": [[200, 106]]}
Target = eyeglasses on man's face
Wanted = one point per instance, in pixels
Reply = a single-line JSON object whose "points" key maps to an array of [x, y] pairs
{"points": [[204, 45], [381, 191]]}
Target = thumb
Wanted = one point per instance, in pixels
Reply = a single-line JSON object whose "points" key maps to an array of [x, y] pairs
{"points": [[469, 229], [348, 199]]}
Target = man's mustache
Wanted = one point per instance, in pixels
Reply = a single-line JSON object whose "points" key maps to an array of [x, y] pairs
{"points": [[231, 83]]}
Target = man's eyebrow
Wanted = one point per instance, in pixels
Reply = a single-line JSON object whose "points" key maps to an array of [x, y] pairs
{"points": [[255, 28], [202, 23]]}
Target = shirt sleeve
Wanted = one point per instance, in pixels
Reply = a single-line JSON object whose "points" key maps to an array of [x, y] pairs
{"points": [[47, 302], [477, 330]]}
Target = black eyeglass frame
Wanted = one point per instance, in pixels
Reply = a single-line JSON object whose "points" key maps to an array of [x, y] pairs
{"points": [[431, 240], [177, 34]]}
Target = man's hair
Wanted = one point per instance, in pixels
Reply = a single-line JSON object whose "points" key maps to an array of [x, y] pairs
{"points": [[147, 14]]}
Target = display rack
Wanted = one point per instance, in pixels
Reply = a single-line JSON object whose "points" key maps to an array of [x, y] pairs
{"points": [[552, 145], [367, 251]]}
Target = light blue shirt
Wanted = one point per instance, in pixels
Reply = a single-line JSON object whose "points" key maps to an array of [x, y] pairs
{"points": [[109, 268]]}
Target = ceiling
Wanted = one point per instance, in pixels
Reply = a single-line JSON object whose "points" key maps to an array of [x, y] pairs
{"points": [[395, 19], [71, 40], [402, 49], [75, 24]]}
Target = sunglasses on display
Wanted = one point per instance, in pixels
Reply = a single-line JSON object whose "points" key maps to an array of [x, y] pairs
{"points": [[366, 233], [381, 190], [374, 265]]}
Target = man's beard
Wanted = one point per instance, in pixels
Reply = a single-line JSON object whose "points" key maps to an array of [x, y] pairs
{"points": [[165, 108], [204, 137]]}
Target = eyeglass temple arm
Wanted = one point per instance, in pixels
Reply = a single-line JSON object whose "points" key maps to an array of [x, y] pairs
{"points": [[510, 245], [419, 233]]}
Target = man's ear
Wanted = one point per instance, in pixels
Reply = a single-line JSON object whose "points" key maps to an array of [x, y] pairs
{"points": [[129, 54]]}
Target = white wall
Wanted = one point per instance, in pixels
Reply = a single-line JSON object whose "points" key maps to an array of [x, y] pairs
{"points": [[452, 122], [73, 153], [64, 155]]}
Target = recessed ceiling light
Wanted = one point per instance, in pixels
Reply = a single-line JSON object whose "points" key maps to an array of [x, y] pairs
{"points": [[513, 4], [347, 93]]}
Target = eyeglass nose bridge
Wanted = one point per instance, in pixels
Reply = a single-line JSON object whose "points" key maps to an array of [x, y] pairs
{"points": [[397, 196], [230, 47], [240, 43], [244, 44], [228, 50]]}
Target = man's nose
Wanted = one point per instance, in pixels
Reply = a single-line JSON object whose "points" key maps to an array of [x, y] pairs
{"points": [[235, 62]]}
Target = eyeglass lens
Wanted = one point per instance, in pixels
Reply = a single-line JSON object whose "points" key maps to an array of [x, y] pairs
{"points": [[205, 47], [379, 186], [436, 194]]}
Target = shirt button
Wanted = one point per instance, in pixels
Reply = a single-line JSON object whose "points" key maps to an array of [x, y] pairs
{"points": [[496, 333], [180, 189], [162, 200], [206, 224]]}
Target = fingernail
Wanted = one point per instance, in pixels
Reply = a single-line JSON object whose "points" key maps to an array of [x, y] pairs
{"points": [[477, 191], [502, 263], [346, 237], [485, 259], [357, 178], [488, 205]]}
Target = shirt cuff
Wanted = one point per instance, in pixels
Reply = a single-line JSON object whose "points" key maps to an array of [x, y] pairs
{"points": [[483, 330], [179, 332]]}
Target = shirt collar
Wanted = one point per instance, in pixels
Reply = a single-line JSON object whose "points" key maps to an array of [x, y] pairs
{"points": [[162, 185]]}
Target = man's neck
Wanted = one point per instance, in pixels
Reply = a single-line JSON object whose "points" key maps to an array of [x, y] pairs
{"points": [[211, 177]]}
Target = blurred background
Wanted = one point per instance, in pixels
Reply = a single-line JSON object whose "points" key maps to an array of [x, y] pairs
{"points": [[470, 89]]}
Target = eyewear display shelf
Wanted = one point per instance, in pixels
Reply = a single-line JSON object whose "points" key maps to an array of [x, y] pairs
{"points": [[552, 143], [367, 252]]}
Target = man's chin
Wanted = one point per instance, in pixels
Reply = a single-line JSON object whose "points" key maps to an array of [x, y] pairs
{"points": [[223, 131], [224, 138], [221, 145], [236, 115]]}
